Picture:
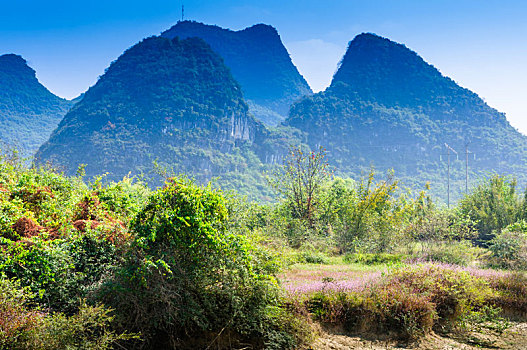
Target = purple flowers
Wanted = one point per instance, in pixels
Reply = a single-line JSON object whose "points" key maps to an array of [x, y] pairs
{"points": [[334, 281], [299, 282]]}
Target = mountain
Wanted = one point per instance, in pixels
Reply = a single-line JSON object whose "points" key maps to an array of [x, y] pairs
{"points": [[169, 101], [388, 108], [258, 61], [28, 111]]}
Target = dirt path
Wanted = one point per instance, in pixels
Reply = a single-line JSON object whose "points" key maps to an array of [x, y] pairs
{"points": [[514, 338]]}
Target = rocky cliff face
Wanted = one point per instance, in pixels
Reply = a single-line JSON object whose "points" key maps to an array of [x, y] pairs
{"points": [[28, 111], [258, 61]]}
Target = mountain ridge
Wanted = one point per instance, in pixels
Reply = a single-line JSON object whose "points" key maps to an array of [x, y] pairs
{"points": [[167, 101], [258, 61], [387, 107]]}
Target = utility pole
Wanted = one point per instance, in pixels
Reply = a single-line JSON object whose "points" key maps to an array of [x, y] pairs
{"points": [[466, 165], [182, 13], [448, 181]]}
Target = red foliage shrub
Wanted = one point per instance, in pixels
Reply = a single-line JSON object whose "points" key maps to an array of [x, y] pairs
{"points": [[25, 227]]}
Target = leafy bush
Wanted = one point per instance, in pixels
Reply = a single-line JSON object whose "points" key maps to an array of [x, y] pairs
{"points": [[17, 323], [188, 278], [58, 237], [59, 272], [90, 328], [124, 198], [374, 215], [493, 205], [462, 253], [22, 328], [312, 257], [509, 247]]}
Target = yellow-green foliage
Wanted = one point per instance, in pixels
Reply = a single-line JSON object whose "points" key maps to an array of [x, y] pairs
{"points": [[493, 205], [509, 247]]}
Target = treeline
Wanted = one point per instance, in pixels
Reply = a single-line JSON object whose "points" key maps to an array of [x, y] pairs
{"points": [[376, 215]]}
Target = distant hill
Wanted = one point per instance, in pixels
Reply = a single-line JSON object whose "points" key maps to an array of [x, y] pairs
{"points": [[168, 101], [28, 111], [388, 108], [258, 61]]}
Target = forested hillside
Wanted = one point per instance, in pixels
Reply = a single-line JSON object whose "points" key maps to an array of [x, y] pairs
{"points": [[388, 108], [258, 61], [28, 111], [167, 101]]}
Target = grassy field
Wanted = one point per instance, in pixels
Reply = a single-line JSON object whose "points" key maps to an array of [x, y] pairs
{"points": [[304, 278]]}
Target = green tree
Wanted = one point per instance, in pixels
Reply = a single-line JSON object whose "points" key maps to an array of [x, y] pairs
{"points": [[493, 205]]}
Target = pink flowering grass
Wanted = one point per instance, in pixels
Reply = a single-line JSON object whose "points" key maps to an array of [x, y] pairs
{"points": [[346, 278], [344, 284], [327, 277]]}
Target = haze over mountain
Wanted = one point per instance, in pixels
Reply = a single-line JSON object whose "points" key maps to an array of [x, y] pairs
{"points": [[168, 101], [388, 108], [258, 61], [28, 111]]}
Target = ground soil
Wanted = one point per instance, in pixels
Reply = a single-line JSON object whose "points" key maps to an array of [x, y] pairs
{"points": [[514, 338]]}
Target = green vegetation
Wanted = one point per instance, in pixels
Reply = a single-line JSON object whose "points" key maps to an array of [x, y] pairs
{"points": [[187, 275], [411, 301], [169, 263], [106, 265], [172, 103], [142, 257]]}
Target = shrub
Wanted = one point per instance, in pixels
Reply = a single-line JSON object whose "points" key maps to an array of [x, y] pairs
{"points": [[512, 293], [22, 328], [124, 198], [90, 328], [462, 253], [17, 323], [312, 257], [509, 247], [492, 205], [188, 279], [59, 272]]}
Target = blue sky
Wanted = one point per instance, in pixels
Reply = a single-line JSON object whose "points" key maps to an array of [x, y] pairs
{"points": [[482, 45]]}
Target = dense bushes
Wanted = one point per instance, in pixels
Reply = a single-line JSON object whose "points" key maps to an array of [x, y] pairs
{"points": [[187, 275], [509, 247], [493, 205], [178, 269]]}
